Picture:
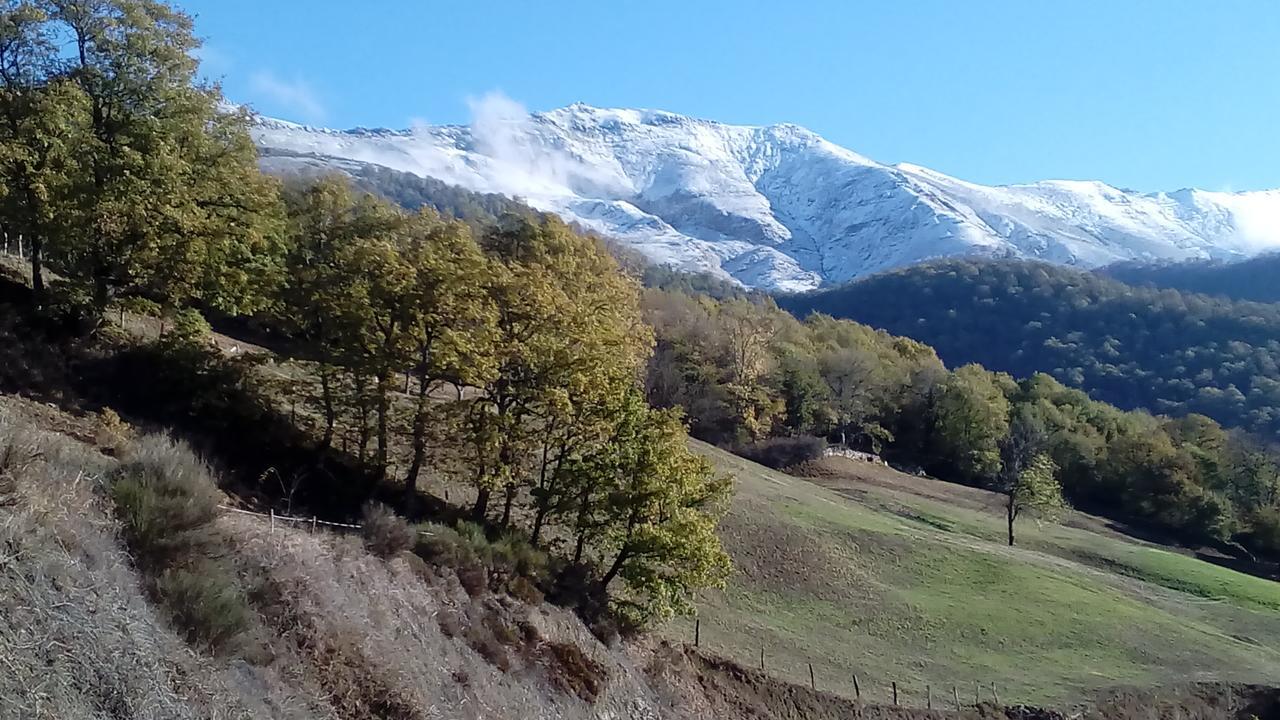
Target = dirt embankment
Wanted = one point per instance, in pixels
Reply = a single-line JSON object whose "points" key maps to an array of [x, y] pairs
{"points": [[709, 687]]}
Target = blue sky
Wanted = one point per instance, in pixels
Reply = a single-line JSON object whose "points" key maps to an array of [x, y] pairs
{"points": [[1142, 94]]}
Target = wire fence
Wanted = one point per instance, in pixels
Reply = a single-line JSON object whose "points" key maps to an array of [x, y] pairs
{"points": [[943, 696], [312, 524]]}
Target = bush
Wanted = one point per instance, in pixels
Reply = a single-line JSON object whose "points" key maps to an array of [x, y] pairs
{"points": [[385, 533], [1264, 532], [166, 502], [784, 452], [444, 546], [165, 499], [508, 564], [205, 601]]}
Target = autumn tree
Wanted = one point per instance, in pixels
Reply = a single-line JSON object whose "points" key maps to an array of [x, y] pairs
{"points": [[452, 321], [567, 325], [165, 196], [41, 118], [972, 418], [648, 511], [313, 297]]}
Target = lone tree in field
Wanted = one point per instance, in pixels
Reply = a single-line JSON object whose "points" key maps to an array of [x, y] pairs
{"points": [[1027, 477]]}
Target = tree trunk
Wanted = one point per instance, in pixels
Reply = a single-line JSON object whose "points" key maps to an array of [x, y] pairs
{"points": [[37, 270], [481, 508], [508, 501], [383, 388], [584, 508], [326, 400], [538, 519], [1010, 513], [419, 445], [623, 555]]}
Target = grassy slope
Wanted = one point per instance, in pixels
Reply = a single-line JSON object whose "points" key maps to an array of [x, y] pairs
{"points": [[896, 586]]}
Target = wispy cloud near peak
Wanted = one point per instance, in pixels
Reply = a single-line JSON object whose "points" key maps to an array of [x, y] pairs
{"points": [[295, 96]]}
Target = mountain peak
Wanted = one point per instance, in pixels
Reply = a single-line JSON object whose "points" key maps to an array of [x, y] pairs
{"points": [[778, 206]]}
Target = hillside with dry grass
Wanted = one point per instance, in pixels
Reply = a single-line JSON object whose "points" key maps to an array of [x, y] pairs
{"points": [[288, 623]]}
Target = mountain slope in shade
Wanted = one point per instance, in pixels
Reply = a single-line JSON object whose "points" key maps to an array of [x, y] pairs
{"points": [[779, 207]]}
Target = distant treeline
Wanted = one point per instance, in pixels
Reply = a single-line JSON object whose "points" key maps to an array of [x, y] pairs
{"points": [[1254, 279], [1136, 347]]}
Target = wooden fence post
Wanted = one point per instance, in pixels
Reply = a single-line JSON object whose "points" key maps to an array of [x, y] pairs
{"points": [[313, 524], [976, 698], [895, 693], [857, 691], [955, 695], [928, 697], [994, 696], [812, 681], [273, 521], [761, 658], [697, 632]]}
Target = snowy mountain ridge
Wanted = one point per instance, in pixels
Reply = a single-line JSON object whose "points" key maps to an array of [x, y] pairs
{"points": [[778, 207]]}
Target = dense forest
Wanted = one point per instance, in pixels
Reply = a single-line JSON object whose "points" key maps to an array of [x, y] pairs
{"points": [[1169, 352], [1253, 279]]}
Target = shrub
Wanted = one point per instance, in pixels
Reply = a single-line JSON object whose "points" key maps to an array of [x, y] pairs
{"points": [[575, 586], [1264, 531], [509, 563], [480, 639], [784, 452], [112, 433], [166, 502], [18, 452], [165, 499], [444, 546], [474, 579], [385, 533], [205, 601]]}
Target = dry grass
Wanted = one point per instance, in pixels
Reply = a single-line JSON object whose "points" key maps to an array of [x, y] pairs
{"points": [[77, 638]]}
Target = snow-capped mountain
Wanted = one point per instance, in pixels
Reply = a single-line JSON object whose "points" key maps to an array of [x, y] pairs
{"points": [[778, 207]]}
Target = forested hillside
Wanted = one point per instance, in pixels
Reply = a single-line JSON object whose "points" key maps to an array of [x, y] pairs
{"points": [[752, 377], [1254, 279], [407, 190], [1136, 347]]}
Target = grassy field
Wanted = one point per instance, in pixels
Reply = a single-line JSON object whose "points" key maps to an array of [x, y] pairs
{"points": [[902, 579]]}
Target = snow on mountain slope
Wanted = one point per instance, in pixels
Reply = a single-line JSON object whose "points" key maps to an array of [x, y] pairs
{"points": [[779, 207]]}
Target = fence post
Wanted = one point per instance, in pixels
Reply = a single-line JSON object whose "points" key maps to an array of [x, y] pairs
{"points": [[697, 632], [994, 696], [857, 691], [813, 683], [761, 658], [313, 524], [976, 698], [895, 693], [273, 521], [955, 695], [928, 697]]}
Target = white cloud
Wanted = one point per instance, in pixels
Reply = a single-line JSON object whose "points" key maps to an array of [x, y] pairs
{"points": [[214, 63], [295, 97], [525, 164]]}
